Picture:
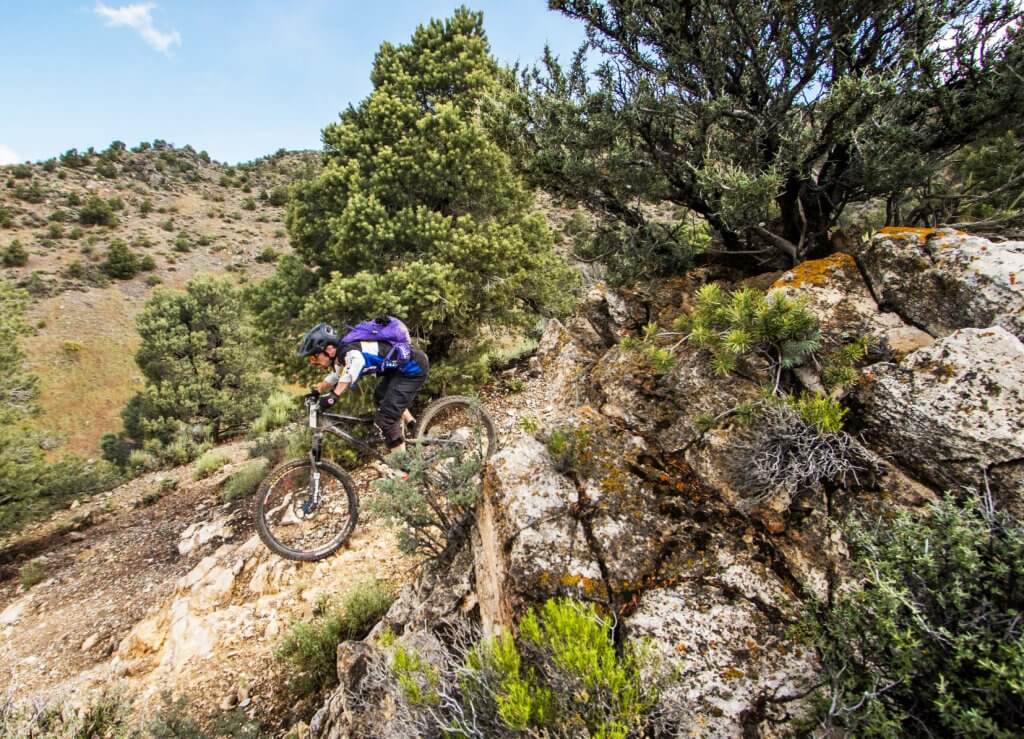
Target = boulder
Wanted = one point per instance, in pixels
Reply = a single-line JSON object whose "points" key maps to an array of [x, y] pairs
{"points": [[564, 361], [545, 548], [724, 652], [953, 413], [943, 280], [835, 291], [665, 408]]}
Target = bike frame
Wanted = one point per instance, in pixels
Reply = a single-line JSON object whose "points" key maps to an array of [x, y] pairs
{"points": [[331, 423]]}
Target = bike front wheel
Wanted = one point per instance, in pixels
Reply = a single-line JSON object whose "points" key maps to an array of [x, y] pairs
{"points": [[299, 523]]}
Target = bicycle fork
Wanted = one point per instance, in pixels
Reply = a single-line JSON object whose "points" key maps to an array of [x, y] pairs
{"points": [[313, 499]]}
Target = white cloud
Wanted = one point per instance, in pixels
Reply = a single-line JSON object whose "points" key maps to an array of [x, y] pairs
{"points": [[7, 155], [137, 16]]}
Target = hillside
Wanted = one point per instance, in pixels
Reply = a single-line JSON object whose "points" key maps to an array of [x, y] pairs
{"points": [[189, 214]]}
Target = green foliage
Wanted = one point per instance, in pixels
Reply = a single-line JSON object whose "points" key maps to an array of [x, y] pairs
{"points": [[571, 448], [96, 211], [6, 219], [278, 197], [87, 273], [210, 463], [659, 358], [309, 648], [416, 212], [840, 366], [687, 104], [197, 363], [433, 505], [562, 676], [14, 255], [822, 412], [416, 677], [278, 410], [21, 171], [243, 483], [31, 574], [734, 325], [931, 642], [30, 193], [120, 262], [991, 171]]}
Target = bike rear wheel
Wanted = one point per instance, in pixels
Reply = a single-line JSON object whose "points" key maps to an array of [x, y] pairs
{"points": [[458, 421], [292, 525]]}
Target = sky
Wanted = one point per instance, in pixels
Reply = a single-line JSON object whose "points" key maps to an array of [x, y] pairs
{"points": [[239, 79]]}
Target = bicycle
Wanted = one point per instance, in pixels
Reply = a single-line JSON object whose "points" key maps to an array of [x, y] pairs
{"points": [[307, 508]]}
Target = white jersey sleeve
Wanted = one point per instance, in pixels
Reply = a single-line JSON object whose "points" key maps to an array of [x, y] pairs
{"points": [[354, 364]]}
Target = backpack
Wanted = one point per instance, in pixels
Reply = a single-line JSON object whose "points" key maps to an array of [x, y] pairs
{"points": [[384, 328]]}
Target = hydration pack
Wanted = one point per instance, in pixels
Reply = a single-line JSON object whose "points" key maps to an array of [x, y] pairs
{"points": [[384, 328]]}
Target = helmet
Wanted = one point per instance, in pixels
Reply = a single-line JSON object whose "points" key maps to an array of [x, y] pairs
{"points": [[316, 339]]}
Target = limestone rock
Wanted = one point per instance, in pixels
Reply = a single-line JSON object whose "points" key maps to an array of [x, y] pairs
{"points": [[724, 652], [954, 412], [564, 362], [199, 534], [664, 408], [836, 293], [944, 280], [547, 548]]}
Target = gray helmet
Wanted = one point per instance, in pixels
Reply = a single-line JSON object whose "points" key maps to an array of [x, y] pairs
{"points": [[317, 339]]}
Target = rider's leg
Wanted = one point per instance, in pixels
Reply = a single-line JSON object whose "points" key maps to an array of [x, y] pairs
{"points": [[394, 406]]}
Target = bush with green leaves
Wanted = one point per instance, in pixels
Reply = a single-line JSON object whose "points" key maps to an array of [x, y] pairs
{"points": [[747, 322], [310, 648], [930, 642], [243, 483], [120, 262], [562, 675], [433, 504], [197, 363], [14, 255], [659, 358], [278, 410], [416, 211], [96, 211], [210, 463]]}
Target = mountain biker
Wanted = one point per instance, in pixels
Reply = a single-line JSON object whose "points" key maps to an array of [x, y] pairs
{"points": [[398, 385]]}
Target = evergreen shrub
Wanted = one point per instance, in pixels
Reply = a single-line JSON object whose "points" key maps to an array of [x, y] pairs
{"points": [[930, 642]]}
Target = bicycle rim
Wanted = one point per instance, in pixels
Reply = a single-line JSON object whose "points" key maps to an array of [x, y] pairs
{"points": [[292, 525], [458, 421]]}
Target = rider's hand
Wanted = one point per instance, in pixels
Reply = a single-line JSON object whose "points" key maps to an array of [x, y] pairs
{"points": [[327, 401], [311, 397]]}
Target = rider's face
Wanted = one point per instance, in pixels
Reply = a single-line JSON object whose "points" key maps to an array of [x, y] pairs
{"points": [[320, 360]]}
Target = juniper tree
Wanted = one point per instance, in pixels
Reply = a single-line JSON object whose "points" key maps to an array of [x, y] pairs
{"points": [[766, 118], [416, 211], [196, 359]]}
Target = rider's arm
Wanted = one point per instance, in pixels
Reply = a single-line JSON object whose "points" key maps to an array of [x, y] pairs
{"points": [[354, 364]]}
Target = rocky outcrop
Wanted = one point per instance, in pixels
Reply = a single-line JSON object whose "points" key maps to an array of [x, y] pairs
{"points": [[836, 293], [943, 280], [953, 413], [665, 408]]}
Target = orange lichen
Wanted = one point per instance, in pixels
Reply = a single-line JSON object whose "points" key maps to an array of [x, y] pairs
{"points": [[817, 271]]}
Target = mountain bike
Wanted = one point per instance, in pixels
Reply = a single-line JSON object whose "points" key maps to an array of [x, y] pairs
{"points": [[307, 508]]}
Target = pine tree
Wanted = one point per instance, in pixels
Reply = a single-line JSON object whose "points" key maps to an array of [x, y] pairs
{"points": [[416, 211], [196, 359]]}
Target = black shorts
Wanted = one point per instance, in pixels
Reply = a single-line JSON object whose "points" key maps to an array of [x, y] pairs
{"points": [[394, 394]]}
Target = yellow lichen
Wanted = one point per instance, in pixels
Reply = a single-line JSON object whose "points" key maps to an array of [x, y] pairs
{"points": [[817, 271]]}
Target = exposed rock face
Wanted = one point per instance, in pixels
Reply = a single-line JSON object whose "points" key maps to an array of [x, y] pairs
{"points": [[943, 280], [954, 412], [835, 292], [726, 652], [665, 408]]}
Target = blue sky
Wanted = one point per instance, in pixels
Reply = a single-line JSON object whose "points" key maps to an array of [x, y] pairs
{"points": [[238, 79]]}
